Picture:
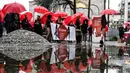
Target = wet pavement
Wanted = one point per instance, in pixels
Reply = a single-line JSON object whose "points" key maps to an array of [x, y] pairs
{"points": [[42, 56]]}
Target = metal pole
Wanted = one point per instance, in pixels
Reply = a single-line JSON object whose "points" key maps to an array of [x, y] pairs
{"points": [[74, 6], [104, 4], [126, 11], [108, 8], [89, 3]]}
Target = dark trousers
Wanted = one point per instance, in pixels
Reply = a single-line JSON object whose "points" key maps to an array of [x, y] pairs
{"points": [[84, 36], [102, 70], [90, 37]]}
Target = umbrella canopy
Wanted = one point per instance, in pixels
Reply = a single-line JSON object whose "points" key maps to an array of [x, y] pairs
{"points": [[76, 16], [44, 17], [60, 14], [40, 9], [108, 11], [83, 18], [13, 8], [23, 44], [28, 14], [67, 20]]}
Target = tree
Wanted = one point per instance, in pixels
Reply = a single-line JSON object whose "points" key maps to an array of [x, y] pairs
{"points": [[54, 4], [45, 3]]}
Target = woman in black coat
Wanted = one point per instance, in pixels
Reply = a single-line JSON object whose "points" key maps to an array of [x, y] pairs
{"points": [[84, 27], [37, 26]]}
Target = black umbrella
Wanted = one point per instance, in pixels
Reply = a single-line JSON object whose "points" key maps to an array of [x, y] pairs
{"points": [[103, 21], [23, 45]]}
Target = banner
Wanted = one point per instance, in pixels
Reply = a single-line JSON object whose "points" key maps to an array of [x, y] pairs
{"points": [[96, 21], [62, 32], [71, 36]]}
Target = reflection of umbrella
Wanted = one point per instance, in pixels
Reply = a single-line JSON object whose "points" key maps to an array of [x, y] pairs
{"points": [[23, 44], [13, 8], [61, 14], [28, 14], [40, 9], [108, 11], [103, 21]]}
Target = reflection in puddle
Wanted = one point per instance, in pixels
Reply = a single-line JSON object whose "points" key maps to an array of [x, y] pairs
{"points": [[59, 58]]}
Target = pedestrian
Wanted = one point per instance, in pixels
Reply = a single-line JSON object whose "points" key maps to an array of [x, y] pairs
{"points": [[25, 24], [16, 21], [59, 20], [121, 32], [48, 25], [78, 31], [84, 28], [9, 19], [37, 26], [90, 33]]}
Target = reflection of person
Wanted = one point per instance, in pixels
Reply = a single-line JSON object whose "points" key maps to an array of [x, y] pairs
{"points": [[84, 27], [102, 65], [38, 26], [90, 33], [121, 31]]}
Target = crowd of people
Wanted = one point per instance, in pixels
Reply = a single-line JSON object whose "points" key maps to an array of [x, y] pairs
{"points": [[12, 22]]}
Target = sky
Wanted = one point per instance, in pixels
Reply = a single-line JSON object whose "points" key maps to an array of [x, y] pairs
{"points": [[113, 3]]}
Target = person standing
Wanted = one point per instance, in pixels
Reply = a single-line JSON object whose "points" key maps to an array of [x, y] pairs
{"points": [[48, 25], [90, 33], [121, 32], [78, 31], [25, 24], [37, 26], [16, 21], [84, 27]]}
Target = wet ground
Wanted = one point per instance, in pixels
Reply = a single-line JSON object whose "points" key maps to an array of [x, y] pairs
{"points": [[45, 57]]}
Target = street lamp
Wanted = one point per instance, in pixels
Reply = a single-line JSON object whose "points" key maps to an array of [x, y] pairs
{"points": [[89, 3], [74, 6]]}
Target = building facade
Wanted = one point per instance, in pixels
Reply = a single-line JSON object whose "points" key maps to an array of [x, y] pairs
{"points": [[82, 6]]}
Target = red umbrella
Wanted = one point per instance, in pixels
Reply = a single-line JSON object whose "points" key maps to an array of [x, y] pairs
{"points": [[67, 21], [44, 17], [60, 14], [90, 23], [76, 16], [108, 11], [40, 9], [3, 9], [83, 18], [28, 14], [13, 8]]}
